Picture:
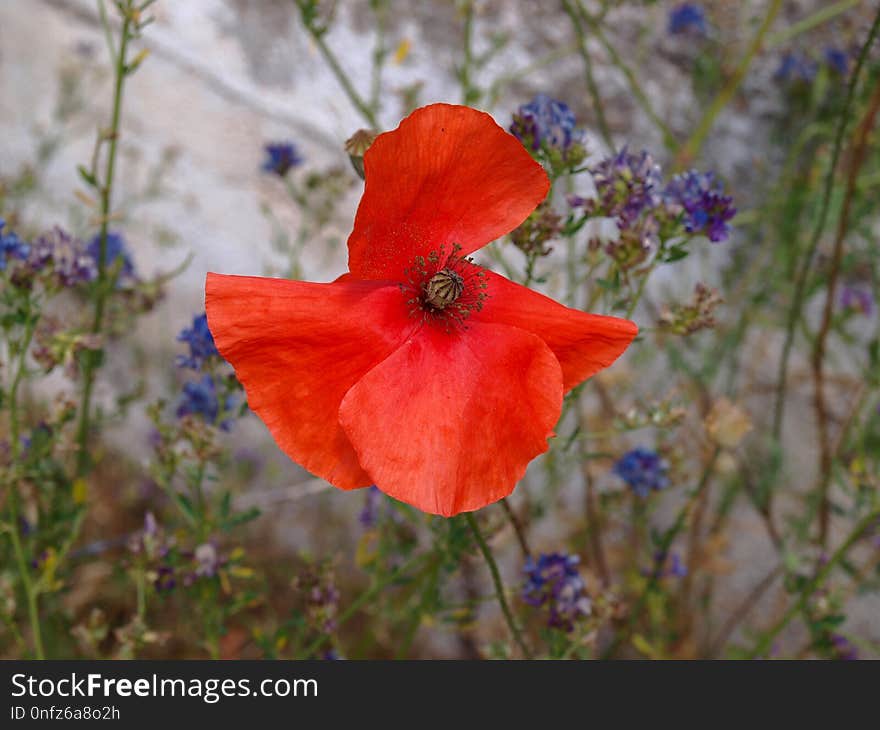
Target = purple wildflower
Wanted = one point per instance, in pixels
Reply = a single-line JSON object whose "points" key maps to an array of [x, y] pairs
{"points": [[546, 123], [795, 67], [200, 341], [857, 299], [844, 648], [555, 582], [643, 470], [199, 398], [116, 254], [700, 199], [68, 257], [837, 60], [11, 247], [281, 157], [627, 185], [687, 18]]}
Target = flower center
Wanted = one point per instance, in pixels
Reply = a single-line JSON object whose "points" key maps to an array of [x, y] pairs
{"points": [[444, 288]]}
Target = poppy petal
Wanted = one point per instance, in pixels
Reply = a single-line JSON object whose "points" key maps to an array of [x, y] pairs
{"points": [[583, 343], [449, 422], [447, 175], [297, 348]]}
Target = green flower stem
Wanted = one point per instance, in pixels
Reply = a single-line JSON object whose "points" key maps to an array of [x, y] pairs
{"points": [[807, 263], [469, 93], [499, 586], [517, 528], [578, 28], [663, 550], [354, 97], [630, 310], [762, 646], [692, 147], [634, 86], [30, 589], [812, 21], [103, 287]]}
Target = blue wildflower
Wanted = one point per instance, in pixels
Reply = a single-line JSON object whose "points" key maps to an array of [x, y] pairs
{"points": [[200, 341], [555, 582], [11, 247], [837, 60], [687, 18], [643, 470], [200, 398], [795, 68], [280, 158], [546, 123], [700, 199], [116, 254]]}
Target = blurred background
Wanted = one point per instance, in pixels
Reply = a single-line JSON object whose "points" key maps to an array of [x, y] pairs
{"points": [[223, 78]]}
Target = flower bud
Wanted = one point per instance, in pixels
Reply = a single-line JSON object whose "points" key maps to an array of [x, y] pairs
{"points": [[357, 146]]}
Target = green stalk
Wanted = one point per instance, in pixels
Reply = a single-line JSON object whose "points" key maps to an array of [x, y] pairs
{"points": [[499, 585], [592, 87], [30, 589], [692, 147], [810, 22], [634, 86], [354, 97], [91, 361], [801, 282]]}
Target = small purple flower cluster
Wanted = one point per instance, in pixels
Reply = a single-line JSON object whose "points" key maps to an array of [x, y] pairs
{"points": [[643, 470], [317, 587], [627, 185], [11, 247], [699, 198], [687, 19], [63, 259], [66, 257], [553, 581], [843, 648], [281, 157], [116, 255], [200, 341], [200, 397], [857, 298], [630, 189], [796, 68], [548, 126], [154, 546]]}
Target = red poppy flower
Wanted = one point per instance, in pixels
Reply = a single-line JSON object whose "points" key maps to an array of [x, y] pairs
{"points": [[418, 371]]}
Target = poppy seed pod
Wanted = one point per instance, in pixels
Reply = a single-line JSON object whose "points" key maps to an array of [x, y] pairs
{"points": [[357, 146]]}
